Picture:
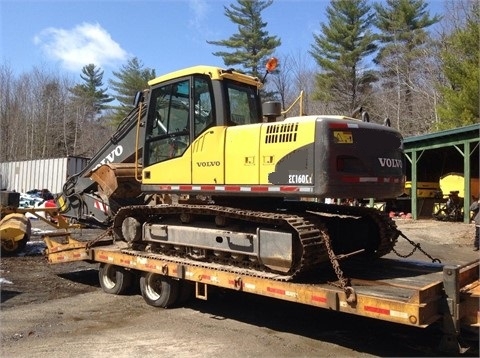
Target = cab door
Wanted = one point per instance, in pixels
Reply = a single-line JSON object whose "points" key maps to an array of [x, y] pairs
{"points": [[180, 111], [167, 154]]}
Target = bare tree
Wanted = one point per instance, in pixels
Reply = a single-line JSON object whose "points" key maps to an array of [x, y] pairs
{"points": [[294, 77], [6, 111], [39, 119], [302, 74]]}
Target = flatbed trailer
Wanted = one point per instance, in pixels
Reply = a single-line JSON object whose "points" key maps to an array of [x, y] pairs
{"points": [[406, 292]]}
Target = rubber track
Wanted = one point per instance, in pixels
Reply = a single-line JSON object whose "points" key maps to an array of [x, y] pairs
{"points": [[303, 221]]}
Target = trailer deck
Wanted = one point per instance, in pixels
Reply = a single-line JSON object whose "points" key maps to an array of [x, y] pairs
{"points": [[407, 292]]}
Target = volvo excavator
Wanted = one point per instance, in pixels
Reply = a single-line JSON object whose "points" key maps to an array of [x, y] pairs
{"points": [[223, 180]]}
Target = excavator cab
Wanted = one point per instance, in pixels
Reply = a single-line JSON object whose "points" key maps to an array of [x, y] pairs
{"points": [[181, 109]]}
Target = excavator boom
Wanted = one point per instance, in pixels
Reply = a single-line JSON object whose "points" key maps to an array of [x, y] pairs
{"points": [[88, 197]]}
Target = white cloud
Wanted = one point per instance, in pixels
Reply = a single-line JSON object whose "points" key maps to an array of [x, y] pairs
{"points": [[197, 20], [199, 10], [80, 46]]}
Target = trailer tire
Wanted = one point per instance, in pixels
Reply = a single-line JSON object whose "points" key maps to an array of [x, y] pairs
{"points": [[158, 290], [187, 290], [114, 279]]}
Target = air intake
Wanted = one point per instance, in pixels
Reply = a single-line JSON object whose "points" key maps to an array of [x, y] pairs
{"points": [[281, 133]]}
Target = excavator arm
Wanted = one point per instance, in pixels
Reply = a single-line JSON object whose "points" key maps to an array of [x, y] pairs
{"points": [[93, 195]]}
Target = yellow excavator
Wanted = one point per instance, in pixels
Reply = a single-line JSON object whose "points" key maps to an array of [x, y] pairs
{"points": [[225, 180]]}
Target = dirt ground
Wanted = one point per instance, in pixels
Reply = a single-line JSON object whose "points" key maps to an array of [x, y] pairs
{"points": [[60, 311]]}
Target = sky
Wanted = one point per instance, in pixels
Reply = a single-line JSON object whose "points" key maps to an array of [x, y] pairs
{"points": [[165, 35]]}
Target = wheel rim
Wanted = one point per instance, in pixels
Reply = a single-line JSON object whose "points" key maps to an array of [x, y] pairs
{"points": [[153, 287], [9, 246], [109, 277]]}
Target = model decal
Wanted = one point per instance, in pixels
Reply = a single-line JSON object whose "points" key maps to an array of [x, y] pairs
{"points": [[300, 179], [294, 168]]}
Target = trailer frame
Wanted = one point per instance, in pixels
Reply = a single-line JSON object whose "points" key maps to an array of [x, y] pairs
{"points": [[412, 293]]}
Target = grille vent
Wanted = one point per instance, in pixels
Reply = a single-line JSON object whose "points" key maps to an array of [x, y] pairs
{"points": [[281, 133]]}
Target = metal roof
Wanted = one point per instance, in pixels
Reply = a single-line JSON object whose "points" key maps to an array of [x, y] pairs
{"points": [[440, 139]]}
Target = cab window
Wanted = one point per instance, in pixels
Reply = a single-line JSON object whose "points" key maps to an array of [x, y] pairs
{"points": [[168, 128], [242, 104], [204, 116]]}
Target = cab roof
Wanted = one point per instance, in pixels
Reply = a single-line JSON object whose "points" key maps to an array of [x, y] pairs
{"points": [[215, 73]]}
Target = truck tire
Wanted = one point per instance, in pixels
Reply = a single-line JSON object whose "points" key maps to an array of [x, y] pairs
{"points": [[158, 290], [186, 293], [114, 279]]}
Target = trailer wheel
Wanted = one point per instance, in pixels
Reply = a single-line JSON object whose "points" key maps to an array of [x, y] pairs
{"points": [[158, 290], [114, 279], [186, 292]]}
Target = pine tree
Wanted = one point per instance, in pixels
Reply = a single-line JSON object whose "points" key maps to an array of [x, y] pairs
{"points": [[340, 50], [460, 63], [131, 78], [252, 45], [90, 92], [402, 24]]}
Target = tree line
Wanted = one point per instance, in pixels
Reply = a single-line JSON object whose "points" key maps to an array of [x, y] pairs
{"points": [[376, 57]]}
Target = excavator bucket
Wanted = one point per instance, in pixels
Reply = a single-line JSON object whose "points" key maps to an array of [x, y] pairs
{"points": [[118, 179]]}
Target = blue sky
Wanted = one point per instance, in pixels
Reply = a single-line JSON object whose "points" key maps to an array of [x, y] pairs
{"points": [[166, 35]]}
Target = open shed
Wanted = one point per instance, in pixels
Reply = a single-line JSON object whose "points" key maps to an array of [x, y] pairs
{"points": [[431, 156]]}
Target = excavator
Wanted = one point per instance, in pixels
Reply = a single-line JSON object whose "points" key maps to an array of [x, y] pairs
{"points": [[219, 177]]}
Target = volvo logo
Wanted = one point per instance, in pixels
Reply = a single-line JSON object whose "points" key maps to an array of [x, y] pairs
{"points": [[115, 153], [390, 162], [209, 164]]}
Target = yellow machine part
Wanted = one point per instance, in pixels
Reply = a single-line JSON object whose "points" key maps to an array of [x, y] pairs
{"points": [[424, 189], [15, 230], [13, 227], [245, 158], [61, 203], [455, 182], [118, 179]]}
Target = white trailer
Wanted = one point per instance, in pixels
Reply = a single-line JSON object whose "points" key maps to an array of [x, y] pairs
{"points": [[51, 174]]}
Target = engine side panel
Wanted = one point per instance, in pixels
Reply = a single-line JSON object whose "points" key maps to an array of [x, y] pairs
{"points": [[251, 152], [286, 155]]}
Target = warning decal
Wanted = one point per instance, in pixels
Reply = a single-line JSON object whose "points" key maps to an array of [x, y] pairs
{"points": [[343, 137]]}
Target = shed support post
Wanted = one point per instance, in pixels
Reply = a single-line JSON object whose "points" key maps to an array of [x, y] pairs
{"points": [[413, 194], [466, 183]]}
